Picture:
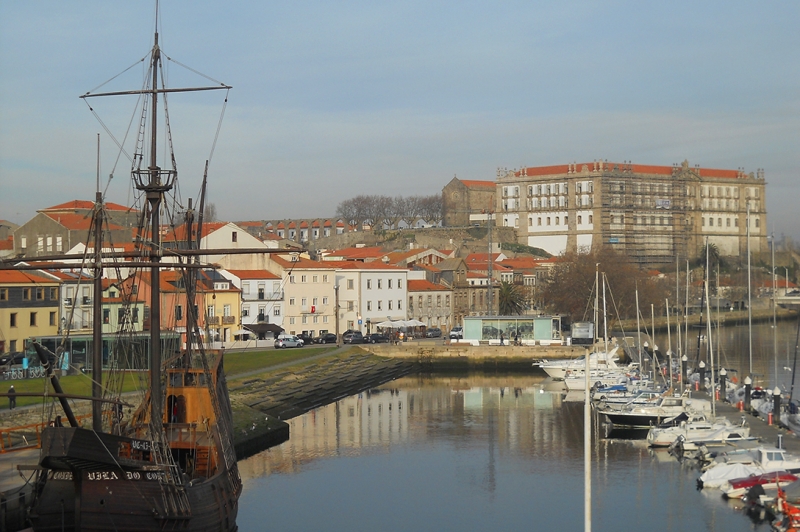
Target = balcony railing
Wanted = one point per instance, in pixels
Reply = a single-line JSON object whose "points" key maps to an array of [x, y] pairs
{"points": [[228, 320], [212, 320]]}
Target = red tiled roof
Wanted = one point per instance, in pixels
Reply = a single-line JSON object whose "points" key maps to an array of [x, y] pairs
{"points": [[358, 265], [636, 168], [85, 205], [76, 222], [20, 276], [419, 285], [358, 253], [253, 274], [469, 183], [7, 244]]}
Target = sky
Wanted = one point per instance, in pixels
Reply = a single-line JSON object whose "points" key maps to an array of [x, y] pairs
{"points": [[335, 99]]}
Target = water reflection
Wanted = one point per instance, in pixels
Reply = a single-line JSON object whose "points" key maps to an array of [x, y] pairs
{"points": [[472, 453]]}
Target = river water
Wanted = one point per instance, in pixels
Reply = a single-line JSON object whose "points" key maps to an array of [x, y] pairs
{"points": [[475, 453]]}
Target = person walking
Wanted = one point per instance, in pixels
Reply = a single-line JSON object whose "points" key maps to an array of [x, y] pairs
{"points": [[501, 338], [12, 398]]}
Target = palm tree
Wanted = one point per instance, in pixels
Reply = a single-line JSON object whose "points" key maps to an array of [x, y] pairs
{"points": [[511, 300]]}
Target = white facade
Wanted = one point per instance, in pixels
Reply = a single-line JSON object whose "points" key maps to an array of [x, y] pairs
{"points": [[371, 296]]}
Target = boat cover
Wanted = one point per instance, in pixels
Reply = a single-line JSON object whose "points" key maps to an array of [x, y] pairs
{"points": [[722, 473]]}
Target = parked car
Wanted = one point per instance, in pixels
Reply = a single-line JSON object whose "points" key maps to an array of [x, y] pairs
{"points": [[457, 333], [306, 338], [377, 338], [288, 340], [433, 332], [353, 337], [327, 338], [13, 358]]}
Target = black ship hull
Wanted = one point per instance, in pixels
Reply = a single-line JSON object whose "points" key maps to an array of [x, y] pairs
{"points": [[84, 486]]}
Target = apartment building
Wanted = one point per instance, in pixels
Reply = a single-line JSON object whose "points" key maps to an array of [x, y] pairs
{"points": [[29, 306]]}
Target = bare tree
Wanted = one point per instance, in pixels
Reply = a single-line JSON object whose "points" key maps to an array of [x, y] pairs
{"points": [[210, 213], [569, 290]]}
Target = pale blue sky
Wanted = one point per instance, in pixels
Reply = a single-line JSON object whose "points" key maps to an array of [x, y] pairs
{"points": [[333, 99]]}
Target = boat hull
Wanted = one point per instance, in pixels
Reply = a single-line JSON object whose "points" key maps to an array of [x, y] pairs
{"points": [[91, 495]]}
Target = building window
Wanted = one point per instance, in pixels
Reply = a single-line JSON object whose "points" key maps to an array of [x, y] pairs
{"points": [[369, 305], [234, 236], [33, 319], [704, 221], [350, 306], [390, 305], [314, 301], [245, 288], [390, 284], [558, 220], [178, 312], [291, 279], [399, 284], [314, 278], [727, 222], [59, 243], [580, 219], [399, 304], [736, 222], [53, 294], [302, 278], [135, 318], [291, 320], [325, 300], [379, 284], [548, 220], [711, 222], [324, 319], [349, 284], [758, 222], [13, 319], [52, 319], [26, 294], [291, 301], [276, 310], [325, 278], [303, 302], [369, 284], [3, 294], [245, 311], [719, 222], [379, 304], [304, 319], [539, 220], [590, 219]]}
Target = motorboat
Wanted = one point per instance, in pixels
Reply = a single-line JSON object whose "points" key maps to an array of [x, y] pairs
{"points": [[663, 410], [740, 464], [558, 369], [737, 488], [697, 429]]}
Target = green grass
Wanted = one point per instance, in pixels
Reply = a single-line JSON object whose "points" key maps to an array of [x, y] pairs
{"points": [[235, 364], [242, 362]]}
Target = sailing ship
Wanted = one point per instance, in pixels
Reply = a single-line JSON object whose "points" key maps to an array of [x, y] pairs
{"points": [[171, 464]]}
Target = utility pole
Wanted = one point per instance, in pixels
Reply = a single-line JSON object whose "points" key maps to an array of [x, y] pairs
{"points": [[336, 307], [490, 291]]}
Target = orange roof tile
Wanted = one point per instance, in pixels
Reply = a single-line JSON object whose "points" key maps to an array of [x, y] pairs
{"points": [[23, 277], [636, 168], [419, 285], [85, 205], [76, 222], [253, 274], [469, 183], [7, 243]]}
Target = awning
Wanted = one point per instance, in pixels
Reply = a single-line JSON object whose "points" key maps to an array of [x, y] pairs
{"points": [[262, 328]]}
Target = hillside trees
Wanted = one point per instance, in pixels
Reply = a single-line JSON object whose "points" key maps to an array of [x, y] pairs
{"points": [[388, 212]]}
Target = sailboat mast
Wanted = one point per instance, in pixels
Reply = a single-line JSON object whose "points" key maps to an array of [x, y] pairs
{"points": [[154, 193], [97, 305]]}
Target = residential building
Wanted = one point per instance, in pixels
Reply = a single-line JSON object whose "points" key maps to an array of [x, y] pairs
{"points": [[369, 293], [430, 303], [29, 305], [309, 297], [262, 300], [653, 214], [56, 229]]}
